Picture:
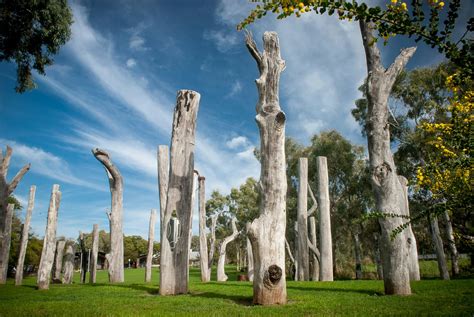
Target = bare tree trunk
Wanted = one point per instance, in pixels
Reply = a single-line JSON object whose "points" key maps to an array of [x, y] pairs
{"points": [[163, 178], [151, 240], [6, 189], [203, 255], [302, 216], [438, 245], [5, 241], [296, 263], [221, 276], [212, 246], [94, 254], [358, 258], [452, 245], [249, 260], [49, 243], [325, 237], [24, 237], [385, 183], [413, 266], [174, 271], [267, 232], [292, 268], [58, 263], [84, 259], [115, 257], [315, 262], [68, 265]]}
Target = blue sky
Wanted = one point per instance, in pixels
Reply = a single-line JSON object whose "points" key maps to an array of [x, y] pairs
{"points": [[113, 86]]}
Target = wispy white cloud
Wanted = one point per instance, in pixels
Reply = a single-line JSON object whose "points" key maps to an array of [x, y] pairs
{"points": [[137, 43], [131, 63], [224, 41], [237, 142], [235, 89]]}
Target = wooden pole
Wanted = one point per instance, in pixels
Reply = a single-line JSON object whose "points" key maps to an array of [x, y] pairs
{"points": [[302, 219], [68, 265], [203, 252], [94, 254], [439, 248], [58, 263], [5, 241], [325, 237], [151, 240]]}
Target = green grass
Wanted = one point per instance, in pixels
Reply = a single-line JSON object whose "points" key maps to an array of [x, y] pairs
{"points": [[136, 298]]}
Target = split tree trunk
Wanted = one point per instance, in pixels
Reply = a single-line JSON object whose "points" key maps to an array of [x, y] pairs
{"points": [[5, 241], [94, 254], [452, 245], [325, 237], [212, 244], [203, 255], [24, 237], [6, 189], [58, 263], [302, 216], [174, 270], [439, 248], [249, 261], [267, 232], [314, 272], [385, 183], [151, 240], [68, 265], [358, 257], [49, 243], [115, 257], [221, 276]]}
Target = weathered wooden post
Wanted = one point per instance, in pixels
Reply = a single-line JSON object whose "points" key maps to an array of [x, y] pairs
{"points": [[5, 241], [84, 258], [174, 270], [94, 254], [296, 259], [151, 240], [68, 265], [451, 243], [439, 248], [315, 268], [221, 276], [115, 257], [325, 237], [212, 243], [58, 263], [203, 253], [302, 220], [385, 183], [6, 189], [267, 232], [249, 261], [24, 237], [49, 243]]}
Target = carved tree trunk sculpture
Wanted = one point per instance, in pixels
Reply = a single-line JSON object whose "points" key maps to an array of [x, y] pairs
{"points": [[6, 189], [221, 276], [439, 248], [203, 253], [249, 261], [5, 241], [315, 267], [325, 237], [212, 243], [84, 257], [58, 263], [68, 265], [385, 183], [115, 257], [174, 270], [49, 243], [451, 243], [24, 237], [151, 240], [302, 219], [358, 257], [94, 254], [267, 232]]}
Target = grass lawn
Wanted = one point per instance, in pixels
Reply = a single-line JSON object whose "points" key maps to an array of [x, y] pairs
{"points": [[136, 298]]}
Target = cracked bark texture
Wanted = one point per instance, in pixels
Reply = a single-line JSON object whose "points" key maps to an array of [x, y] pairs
{"points": [[68, 265], [151, 240], [203, 253], [5, 242], [94, 254], [58, 263], [250, 269], [49, 242], [212, 243], [267, 232], [221, 276], [24, 237], [314, 271], [174, 270], [302, 220], [388, 191], [325, 236], [6, 189], [115, 256]]}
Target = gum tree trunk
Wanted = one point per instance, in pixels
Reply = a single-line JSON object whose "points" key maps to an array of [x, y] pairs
{"points": [[439, 248], [151, 240], [385, 183], [302, 216], [325, 237], [221, 276], [267, 232], [249, 261], [49, 243], [94, 254], [296, 263], [5, 241], [314, 272], [358, 258], [84, 258], [174, 270], [452, 245], [58, 263], [115, 257], [68, 265], [203, 253], [24, 237], [6, 189], [212, 244]]}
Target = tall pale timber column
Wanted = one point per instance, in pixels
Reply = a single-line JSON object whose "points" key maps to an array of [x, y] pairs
{"points": [[221, 276], [115, 257], [163, 177], [94, 254], [302, 214], [5, 240], [325, 237], [312, 231], [24, 237], [151, 240], [68, 265], [6, 189], [385, 183], [49, 243], [439, 248], [84, 257], [212, 243], [174, 270], [267, 232], [203, 255], [58, 263], [249, 261], [451, 243]]}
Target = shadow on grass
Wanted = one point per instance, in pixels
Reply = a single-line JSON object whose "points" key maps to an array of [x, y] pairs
{"points": [[336, 290], [150, 289], [238, 299]]}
